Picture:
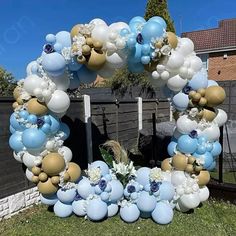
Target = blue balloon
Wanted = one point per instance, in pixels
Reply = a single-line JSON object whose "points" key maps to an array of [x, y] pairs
{"points": [[137, 19], [207, 157], [63, 37], [85, 75], [65, 128], [47, 119], [15, 141], [131, 42], [15, 124], [143, 176], [32, 119], [74, 65], [49, 200], [50, 38], [24, 114], [79, 207], [212, 83], [202, 140], [135, 54], [217, 149], [146, 202], [33, 138], [145, 60], [97, 189], [171, 148], [146, 49], [62, 209], [104, 196], [57, 47], [34, 69], [84, 188], [117, 190], [54, 63], [136, 23], [199, 80], [163, 213], [167, 191], [159, 20], [186, 144], [124, 32], [212, 166], [129, 213], [12, 130], [96, 210], [102, 166], [201, 149], [134, 196], [209, 147], [150, 30], [112, 209], [66, 195], [180, 101], [55, 124], [46, 128]]}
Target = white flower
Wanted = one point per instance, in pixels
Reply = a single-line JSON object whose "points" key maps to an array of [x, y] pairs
{"points": [[193, 112], [120, 168], [131, 169], [156, 174], [200, 161], [165, 50], [66, 53], [94, 174]]}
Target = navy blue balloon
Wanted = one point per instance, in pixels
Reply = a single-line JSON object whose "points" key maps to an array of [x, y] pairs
{"points": [[217, 149], [186, 144], [33, 138], [15, 141], [171, 148]]}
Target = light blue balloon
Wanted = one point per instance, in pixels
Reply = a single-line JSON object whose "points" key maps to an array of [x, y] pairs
{"points": [[102, 166], [65, 129], [124, 32], [143, 176], [150, 30], [212, 166], [217, 149], [136, 23], [172, 148], [163, 213], [146, 202], [137, 19], [134, 196], [62, 209], [129, 213], [85, 75], [202, 140], [167, 191], [131, 42], [15, 124], [201, 149], [49, 200], [97, 189], [104, 196], [112, 209], [47, 119], [207, 157], [212, 83], [55, 124], [79, 207], [199, 80], [84, 188], [33, 138], [136, 54], [24, 114], [209, 147], [108, 188], [135, 67], [32, 119], [186, 144], [146, 49], [50, 38], [54, 63], [74, 65], [46, 128], [96, 210], [66, 195], [63, 37], [159, 20], [12, 130], [180, 101], [117, 190], [15, 141], [34, 69], [57, 47], [145, 60]]}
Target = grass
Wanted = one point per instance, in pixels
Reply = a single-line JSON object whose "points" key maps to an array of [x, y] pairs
{"points": [[213, 218], [228, 177]]}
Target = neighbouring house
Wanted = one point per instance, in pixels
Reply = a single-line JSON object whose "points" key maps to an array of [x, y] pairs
{"points": [[217, 49]]}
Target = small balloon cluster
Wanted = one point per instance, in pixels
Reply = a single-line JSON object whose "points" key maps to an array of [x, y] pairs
{"points": [[70, 58]]}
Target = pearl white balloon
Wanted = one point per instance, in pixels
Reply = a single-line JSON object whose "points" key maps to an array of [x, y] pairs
{"points": [[30, 160], [98, 21], [32, 82], [204, 194], [177, 177], [100, 33], [155, 75], [29, 174], [212, 133], [179, 206], [117, 27], [62, 81], [165, 75], [176, 133], [120, 43], [185, 46], [176, 83], [196, 63], [17, 157], [190, 201], [221, 117], [176, 60], [186, 124], [190, 73], [115, 61], [59, 102], [183, 72], [30, 66], [66, 153]]}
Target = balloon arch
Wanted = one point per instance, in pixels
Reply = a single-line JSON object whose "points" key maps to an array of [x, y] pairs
{"points": [[69, 58]]}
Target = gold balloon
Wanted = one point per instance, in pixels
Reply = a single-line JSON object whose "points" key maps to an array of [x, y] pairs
{"points": [[47, 187], [86, 50], [202, 91], [179, 162], [198, 168], [36, 170], [191, 160], [203, 178], [55, 180], [43, 177], [53, 164], [66, 176], [202, 102], [20, 100], [191, 94], [215, 95], [74, 171], [35, 179], [89, 42], [189, 168], [158, 44], [97, 45], [209, 114], [96, 60], [196, 97], [15, 105], [75, 31], [81, 59], [16, 92], [172, 39], [37, 108], [165, 165]]}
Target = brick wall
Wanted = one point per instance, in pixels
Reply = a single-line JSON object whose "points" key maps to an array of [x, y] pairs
{"points": [[221, 69]]}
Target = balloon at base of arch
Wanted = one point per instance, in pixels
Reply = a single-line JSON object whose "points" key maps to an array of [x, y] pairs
{"points": [[79, 56]]}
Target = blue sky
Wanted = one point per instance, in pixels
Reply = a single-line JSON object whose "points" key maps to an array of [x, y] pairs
{"points": [[25, 23]]}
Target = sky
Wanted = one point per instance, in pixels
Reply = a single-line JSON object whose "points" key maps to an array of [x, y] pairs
{"points": [[25, 23]]}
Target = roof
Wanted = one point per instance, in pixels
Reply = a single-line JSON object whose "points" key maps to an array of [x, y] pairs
{"points": [[216, 39]]}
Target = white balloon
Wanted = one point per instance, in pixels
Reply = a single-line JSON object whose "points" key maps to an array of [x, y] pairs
{"points": [[179, 206], [37, 92], [100, 33], [166, 176], [177, 177], [196, 63], [160, 68], [98, 21], [32, 82], [30, 160], [29, 174], [185, 46], [190, 201], [186, 124], [30, 66], [66, 153], [59, 102], [120, 43], [111, 47], [204, 194], [17, 156], [115, 61], [176, 133], [176, 83], [175, 61], [221, 117], [117, 27], [165, 75], [62, 81], [190, 73], [183, 72], [155, 75], [212, 133]]}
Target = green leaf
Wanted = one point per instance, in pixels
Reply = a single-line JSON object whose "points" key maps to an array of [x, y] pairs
{"points": [[107, 157]]}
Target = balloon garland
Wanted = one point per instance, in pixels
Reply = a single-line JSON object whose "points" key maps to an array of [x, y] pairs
{"points": [[71, 58]]}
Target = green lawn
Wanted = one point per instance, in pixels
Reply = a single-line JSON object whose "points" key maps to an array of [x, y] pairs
{"points": [[213, 218], [228, 177]]}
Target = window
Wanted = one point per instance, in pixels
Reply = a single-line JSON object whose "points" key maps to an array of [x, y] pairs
{"points": [[204, 58]]}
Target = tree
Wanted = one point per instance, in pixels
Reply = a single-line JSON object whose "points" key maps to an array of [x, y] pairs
{"points": [[7, 83], [159, 8]]}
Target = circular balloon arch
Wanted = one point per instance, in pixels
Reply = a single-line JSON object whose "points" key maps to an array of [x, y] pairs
{"points": [[70, 58]]}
